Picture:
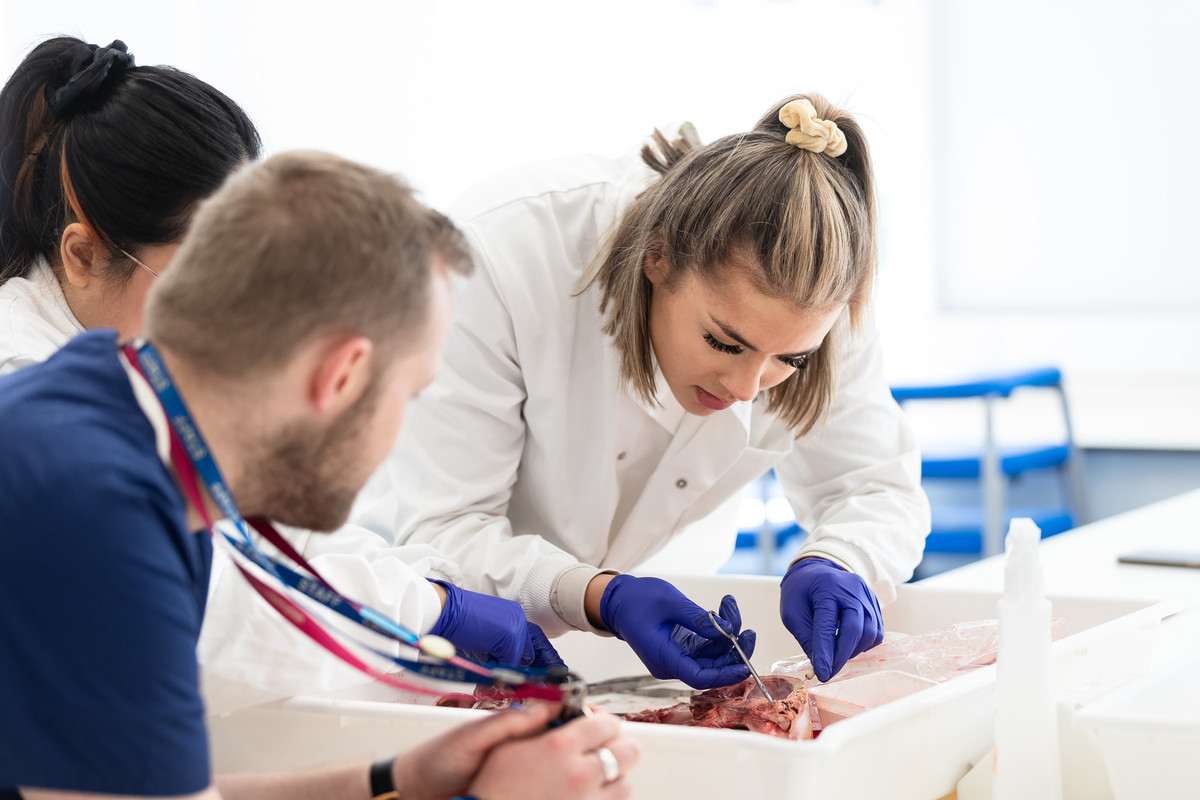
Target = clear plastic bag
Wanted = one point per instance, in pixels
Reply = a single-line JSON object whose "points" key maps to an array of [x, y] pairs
{"points": [[938, 655]]}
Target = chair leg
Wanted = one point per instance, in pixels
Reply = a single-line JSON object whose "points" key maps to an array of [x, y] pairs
{"points": [[1078, 484], [1076, 478], [992, 475]]}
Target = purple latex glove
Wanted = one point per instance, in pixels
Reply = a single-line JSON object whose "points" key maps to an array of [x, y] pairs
{"points": [[492, 629], [831, 612], [673, 636]]}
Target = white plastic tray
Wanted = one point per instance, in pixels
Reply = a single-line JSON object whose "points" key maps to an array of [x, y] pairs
{"points": [[917, 747], [1149, 732]]}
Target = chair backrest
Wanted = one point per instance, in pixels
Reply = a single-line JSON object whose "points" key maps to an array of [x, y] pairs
{"points": [[999, 385]]}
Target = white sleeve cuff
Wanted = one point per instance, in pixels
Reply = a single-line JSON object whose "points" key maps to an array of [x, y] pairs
{"points": [[540, 587], [568, 592], [431, 608], [846, 555]]}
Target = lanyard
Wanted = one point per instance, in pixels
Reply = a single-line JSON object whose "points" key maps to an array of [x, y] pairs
{"points": [[193, 461]]}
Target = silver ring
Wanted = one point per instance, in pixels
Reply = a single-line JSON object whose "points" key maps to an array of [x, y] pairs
{"points": [[612, 770]]}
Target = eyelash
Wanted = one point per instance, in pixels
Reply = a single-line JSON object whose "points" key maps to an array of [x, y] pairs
{"points": [[798, 362], [716, 344]]}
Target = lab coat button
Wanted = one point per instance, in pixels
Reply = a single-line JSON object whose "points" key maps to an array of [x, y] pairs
{"points": [[681, 484], [621, 456]]}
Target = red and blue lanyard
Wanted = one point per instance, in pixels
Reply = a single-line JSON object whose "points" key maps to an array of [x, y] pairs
{"points": [[193, 462]]}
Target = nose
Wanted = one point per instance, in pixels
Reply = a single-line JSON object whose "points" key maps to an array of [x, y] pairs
{"points": [[745, 381]]}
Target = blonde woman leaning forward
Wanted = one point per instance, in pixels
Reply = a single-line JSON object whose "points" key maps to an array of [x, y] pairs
{"points": [[642, 338]]}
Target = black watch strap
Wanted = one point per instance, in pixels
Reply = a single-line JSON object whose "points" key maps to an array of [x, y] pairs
{"points": [[382, 786]]}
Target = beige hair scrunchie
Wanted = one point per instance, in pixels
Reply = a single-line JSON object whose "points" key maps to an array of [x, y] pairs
{"points": [[809, 132]]}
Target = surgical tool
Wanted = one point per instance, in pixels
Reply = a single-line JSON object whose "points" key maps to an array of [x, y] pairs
{"points": [[738, 647]]}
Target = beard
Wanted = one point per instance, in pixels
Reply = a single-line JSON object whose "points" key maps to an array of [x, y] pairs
{"points": [[308, 475]]}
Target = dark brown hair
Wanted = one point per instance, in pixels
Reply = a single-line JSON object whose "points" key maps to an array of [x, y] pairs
{"points": [[131, 158]]}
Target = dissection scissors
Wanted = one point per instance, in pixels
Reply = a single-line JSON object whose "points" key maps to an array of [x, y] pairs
{"points": [[738, 647]]}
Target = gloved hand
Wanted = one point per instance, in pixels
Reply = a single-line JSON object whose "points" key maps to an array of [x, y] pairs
{"points": [[672, 635], [831, 612], [492, 629]]}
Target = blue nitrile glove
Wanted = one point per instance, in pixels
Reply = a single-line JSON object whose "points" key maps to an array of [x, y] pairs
{"points": [[673, 636], [831, 612], [492, 628]]}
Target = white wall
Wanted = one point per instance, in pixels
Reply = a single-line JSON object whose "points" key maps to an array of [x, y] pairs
{"points": [[1067, 196], [1037, 177], [448, 91]]}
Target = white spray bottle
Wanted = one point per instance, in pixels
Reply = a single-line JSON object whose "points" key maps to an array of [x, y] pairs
{"points": [[1026, 762]]}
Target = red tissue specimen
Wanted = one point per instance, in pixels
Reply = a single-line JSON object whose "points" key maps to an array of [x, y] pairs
{"points": [[743, 706]]}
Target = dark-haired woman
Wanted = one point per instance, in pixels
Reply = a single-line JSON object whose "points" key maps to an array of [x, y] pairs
{"points": [[102, 163], [644, 337]]}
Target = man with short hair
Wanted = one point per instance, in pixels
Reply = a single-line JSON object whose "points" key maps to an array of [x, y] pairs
{"points": [[307, 306]]}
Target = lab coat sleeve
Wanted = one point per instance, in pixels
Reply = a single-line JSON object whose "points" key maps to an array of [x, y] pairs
{"points": [[249, 654], [855, 482], [458, 457]]}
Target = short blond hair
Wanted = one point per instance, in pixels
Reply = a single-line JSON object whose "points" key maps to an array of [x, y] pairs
{"points": [[301, 245], [804, 223]]}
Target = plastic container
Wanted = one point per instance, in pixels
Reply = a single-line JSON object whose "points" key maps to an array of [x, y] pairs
{"points": [[1149, 732], [848, 698], [916, 747]]}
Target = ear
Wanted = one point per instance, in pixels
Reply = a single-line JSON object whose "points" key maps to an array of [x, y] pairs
{"points": [[656, 265], [341, 376], [81, 253]]}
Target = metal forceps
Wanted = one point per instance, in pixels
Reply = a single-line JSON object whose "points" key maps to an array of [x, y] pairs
{"points": [[738, 647], [574, 702]]}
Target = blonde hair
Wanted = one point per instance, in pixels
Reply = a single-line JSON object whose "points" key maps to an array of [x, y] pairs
{"points": [[301, 245], [803, 221]]}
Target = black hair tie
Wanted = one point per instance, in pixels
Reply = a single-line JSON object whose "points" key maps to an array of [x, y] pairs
{"points": [[82, 71]]}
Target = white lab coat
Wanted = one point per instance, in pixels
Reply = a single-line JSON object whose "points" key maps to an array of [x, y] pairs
{"points": [[35, 319], [248, 653], [511, 463]]}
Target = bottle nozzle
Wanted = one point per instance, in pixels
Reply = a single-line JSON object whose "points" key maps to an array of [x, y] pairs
{"points": [[1022, 568]]}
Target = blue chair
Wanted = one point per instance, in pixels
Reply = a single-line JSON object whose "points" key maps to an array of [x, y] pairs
{"points": [[981, 529]]}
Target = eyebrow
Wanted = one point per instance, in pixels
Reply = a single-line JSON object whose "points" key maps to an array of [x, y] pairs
{"points": [[737, 337]]}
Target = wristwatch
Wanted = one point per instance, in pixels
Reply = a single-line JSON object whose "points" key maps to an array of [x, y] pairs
{"points": [[382, 785], [384, 788]]}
